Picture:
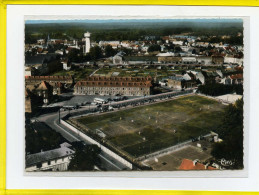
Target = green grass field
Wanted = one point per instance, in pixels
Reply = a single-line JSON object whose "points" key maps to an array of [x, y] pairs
{"points": [[145, 129], [78, 74]]}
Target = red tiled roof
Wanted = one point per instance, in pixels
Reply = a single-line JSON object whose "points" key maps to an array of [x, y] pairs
{"points": [[190, 165], [116, 82], [127, 79], [43, 86], [48, 78], [237, 76]]}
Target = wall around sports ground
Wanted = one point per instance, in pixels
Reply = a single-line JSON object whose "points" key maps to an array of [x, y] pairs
{"points": [[171, 148], [92, 141]]}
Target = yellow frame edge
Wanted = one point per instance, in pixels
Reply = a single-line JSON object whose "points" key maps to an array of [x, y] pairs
{"points": [[3, 5]]}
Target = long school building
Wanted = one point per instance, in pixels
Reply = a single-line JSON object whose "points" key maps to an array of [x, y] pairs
{"points": [[129, 86]]}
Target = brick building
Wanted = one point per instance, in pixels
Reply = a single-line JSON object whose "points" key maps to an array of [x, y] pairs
{"points": [[130, 86]]}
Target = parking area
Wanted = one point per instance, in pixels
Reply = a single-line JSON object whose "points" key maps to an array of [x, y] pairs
{"points": [[74, 100]]}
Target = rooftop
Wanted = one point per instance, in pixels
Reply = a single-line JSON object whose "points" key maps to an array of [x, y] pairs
{"points": [[194, 165], [116, 82], [33, 159]]}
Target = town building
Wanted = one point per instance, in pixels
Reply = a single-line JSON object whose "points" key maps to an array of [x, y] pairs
{"points": [[44, 90], [32, 80], [204, 60], [194, 165], [129, 86], [169, 59], [233, 60], [51, 160], [29, 71], [28, 107], [65, 65], [175, 82], [217, 59], [118, 58], [187, 80]]}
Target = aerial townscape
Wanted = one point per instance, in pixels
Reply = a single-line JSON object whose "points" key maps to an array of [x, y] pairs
{"points": [[134, 95]]}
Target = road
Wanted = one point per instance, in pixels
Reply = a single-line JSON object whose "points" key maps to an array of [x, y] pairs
{"points": [[52, 120]]}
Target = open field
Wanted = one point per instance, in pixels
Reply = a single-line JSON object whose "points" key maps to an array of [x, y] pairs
{"points": [[133, 71], [78, 74], [145, 129]]}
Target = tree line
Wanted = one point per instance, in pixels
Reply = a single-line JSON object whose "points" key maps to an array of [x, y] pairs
{"points": [[217, 89], [231, 132]]}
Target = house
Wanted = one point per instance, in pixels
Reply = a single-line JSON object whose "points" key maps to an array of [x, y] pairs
{"points": [[217, 59], [204, 60], [189, 60], [163, 83], [219, 72], [233, 60], [114, 44], [194, 165], [57, 88], [41, 41], [236, 79], [167, 54], [30, 71], [44, 90], [51, 160], [200, 77], [28, 107], [175, 42], [206, 77], [118, 58], [65, 65], [175, 82], [125, 44]]}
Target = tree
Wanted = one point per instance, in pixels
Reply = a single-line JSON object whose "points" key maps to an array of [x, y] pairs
{"points": [[154, 48], [177, 49], [95, 52], [85, 158], [216, 89], [109, 51], [73, 55], [231, 131], [43, 138]]}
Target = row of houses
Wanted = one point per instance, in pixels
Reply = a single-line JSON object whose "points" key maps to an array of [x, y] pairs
{"points": [[192, 78], [129, 86]]}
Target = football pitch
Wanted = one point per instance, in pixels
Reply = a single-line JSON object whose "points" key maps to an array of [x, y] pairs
{"points": [[152, 127]]}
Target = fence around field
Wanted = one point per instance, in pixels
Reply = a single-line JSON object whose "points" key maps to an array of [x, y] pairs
{"points": [[169, 149], [132, 102], [92, 141]]}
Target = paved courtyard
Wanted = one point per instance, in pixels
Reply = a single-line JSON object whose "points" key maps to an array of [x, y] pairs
{"points": [[172, 161], [73, 100]]}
